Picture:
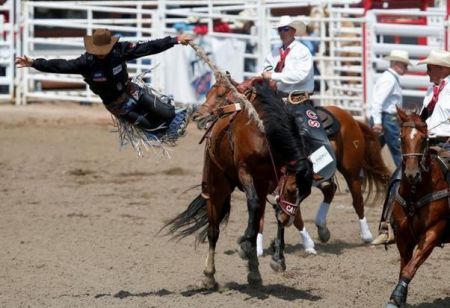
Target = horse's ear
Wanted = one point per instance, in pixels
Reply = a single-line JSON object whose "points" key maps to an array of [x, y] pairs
{"points": [[401, 114]]}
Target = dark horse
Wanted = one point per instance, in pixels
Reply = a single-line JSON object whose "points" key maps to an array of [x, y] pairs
{"points": [[356, 149], [239, 154], [420, 210]]}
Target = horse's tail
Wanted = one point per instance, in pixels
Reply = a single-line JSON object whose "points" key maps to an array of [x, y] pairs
{"points": [[376, 173], [194, 219]]}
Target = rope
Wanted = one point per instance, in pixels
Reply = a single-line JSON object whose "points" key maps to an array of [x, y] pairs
{"points": [[244, 102]]}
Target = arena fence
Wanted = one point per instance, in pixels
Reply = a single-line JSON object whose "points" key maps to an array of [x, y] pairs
{"points": [[8, 47], [351, 42], [417, 32]]}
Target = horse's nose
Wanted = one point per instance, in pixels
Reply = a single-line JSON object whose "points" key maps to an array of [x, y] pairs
{"points": [[412, 175]]}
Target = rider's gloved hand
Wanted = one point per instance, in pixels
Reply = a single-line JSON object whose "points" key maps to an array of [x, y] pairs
{"points": [[24, 61], [184, 39]]}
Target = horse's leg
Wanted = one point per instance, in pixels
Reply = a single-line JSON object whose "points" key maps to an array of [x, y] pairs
{"points": [[255, 207], [218, 205], [278, 263], [425, 246], [405, 247], [354, 184], [306, 239], [328, 190], [214, 212], [260, 238]]}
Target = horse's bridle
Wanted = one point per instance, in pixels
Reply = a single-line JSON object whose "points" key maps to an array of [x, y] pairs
{"points": [[288, 207], [422, 163], [250, 93]]}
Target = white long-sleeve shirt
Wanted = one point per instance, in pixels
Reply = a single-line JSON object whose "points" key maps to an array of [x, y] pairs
{"points": [[441, 111], [386, 95], [298, 73]]}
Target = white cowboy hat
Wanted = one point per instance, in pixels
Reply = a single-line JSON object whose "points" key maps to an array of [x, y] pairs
{"points": [[437, 57], [299, 26], [399, 56]]}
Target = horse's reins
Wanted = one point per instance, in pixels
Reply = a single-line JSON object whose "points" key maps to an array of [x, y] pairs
{"points": [[287, 207]]}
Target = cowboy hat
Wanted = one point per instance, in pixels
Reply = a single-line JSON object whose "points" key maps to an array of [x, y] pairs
{"points": [[437, 57], [398, 56], [299, 26], [100, 43]]}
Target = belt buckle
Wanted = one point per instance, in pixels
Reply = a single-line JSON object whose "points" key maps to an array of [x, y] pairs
{"points": [[303, 94]]}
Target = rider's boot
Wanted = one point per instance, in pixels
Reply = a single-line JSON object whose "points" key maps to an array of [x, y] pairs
{"points": [[155, 108], [385, 235], [385, 232], [177, 127]]}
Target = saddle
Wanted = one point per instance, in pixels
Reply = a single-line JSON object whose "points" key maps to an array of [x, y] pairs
{"points": [[329, 122]]}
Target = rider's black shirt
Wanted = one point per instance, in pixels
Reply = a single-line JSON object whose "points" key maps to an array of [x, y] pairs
{"points": [[106, 77]]}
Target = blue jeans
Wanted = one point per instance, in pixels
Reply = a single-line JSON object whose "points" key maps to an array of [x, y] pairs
{"points": [[391, 136]]}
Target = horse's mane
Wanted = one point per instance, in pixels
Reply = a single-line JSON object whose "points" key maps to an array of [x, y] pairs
{"points": [[278, 123]]}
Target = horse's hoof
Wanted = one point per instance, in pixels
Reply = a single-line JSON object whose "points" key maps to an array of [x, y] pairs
{"points": [[254, 280], [310, 251], [366, 237], [391, 305], [324, 233], [278, 266], [209, 284]]}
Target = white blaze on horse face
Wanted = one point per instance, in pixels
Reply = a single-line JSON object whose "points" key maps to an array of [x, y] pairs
{"points": [[413, 133]]}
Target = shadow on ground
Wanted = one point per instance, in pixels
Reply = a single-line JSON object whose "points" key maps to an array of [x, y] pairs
{"points": [[437, 303], [262, 292]]}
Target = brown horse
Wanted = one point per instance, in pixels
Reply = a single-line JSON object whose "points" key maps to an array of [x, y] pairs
{"points": [[356, 149], [420, 209], [239, 154]]}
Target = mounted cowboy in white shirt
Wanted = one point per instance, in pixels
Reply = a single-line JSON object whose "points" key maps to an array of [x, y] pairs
{"points": [[436, 113], [290, 66]]}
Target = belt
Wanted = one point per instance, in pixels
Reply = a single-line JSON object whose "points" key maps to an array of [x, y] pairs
{"points": [[295, 93], [295, 97]]}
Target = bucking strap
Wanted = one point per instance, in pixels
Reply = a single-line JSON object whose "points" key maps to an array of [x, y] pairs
{"points": [[222, 110]]}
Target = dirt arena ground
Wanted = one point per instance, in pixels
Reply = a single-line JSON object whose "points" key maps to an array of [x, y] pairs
{"points": [[79, 217]]}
